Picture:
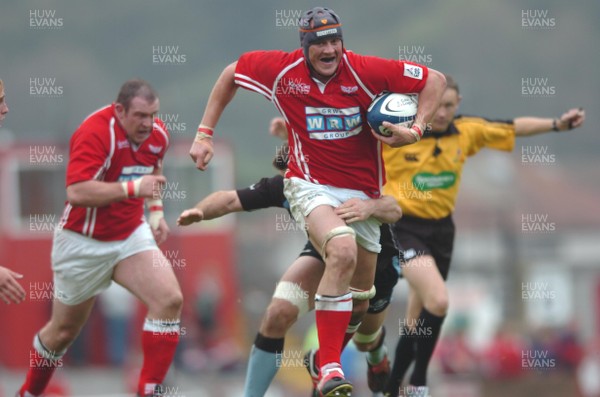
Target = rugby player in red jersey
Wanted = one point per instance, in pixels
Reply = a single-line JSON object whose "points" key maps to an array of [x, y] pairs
{"points": [[115, 164], [323, 91]]}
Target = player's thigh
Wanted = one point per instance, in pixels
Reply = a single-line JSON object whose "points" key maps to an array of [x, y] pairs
{"points": [[364, 274], [149, 276], [303, 276], [323, 220], [424, 277]]}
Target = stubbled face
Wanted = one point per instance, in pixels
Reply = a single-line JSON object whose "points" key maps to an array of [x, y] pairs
{"points": [[447, 110], [138, 119], [325, 57], [3, 105]]}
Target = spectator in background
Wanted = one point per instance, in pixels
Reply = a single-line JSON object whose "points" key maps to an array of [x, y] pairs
{"points": [[568, 348], [502, 358], [454, 353]]}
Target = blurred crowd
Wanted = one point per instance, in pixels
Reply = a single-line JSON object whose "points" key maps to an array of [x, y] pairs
{"points": [[553, 356]]}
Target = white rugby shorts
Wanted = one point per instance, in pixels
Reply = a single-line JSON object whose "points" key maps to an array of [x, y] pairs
{"points": [[83, 267], [304, 196]]}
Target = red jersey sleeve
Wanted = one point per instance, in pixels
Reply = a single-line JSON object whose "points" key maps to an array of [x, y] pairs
{"points": [[88, 153], [379, 74], [258, 70]]}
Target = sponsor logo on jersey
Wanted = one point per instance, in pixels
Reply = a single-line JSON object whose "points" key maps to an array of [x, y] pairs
{"points": [[292, 87], [122, 144], [135, 171], [413, 71], [333, 123], [349, 90], [155, 149], [428, 181], [411, 157]]}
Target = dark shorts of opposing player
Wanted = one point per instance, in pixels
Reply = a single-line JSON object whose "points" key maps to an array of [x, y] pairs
{"points": [[388, 270], [419, 237]]}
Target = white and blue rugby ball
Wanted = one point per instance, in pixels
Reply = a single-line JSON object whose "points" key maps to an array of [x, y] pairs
{"points": [[392, 107]]}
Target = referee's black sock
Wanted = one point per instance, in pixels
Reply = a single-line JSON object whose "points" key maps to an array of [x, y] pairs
{"points": [[430, 326], [405, 352]]}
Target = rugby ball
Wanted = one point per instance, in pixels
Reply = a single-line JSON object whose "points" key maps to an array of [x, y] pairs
{"points": [[395, 108]]}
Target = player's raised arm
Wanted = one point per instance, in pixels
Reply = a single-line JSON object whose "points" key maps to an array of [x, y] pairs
{"points": [[573, 118], [385, 209], [221, 94]]}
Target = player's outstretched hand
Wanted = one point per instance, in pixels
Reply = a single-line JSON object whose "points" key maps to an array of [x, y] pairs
{"points": [[10, 289], [573, 118], [152, 186], [190, 216], [355, 210], [201, 152], [401, 136], [161, 232]]}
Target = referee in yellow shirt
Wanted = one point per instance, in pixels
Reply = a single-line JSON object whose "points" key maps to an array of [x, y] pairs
{"points": [[424, 178]]}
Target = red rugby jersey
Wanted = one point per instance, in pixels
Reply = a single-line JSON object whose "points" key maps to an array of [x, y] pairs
{"points": [[330, 140], [99, 150]]}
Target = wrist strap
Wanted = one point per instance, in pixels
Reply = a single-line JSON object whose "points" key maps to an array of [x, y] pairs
{"points": [[555, 125], [204, 132], [416, 131], [132, 188]]}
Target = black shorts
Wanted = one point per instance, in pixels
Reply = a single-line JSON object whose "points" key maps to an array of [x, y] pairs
{"points": [[388, 270], [419, 237], [310, 250]]}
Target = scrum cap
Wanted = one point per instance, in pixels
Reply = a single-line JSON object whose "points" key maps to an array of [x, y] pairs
{"points": [[319, 24]]}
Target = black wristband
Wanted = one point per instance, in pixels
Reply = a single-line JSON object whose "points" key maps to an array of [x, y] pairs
{"points": [[555, 125]]}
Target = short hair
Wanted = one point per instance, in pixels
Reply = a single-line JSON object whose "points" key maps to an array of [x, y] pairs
{"points": [[451, 83], [1, 87], [281, 159], [136, 88]]}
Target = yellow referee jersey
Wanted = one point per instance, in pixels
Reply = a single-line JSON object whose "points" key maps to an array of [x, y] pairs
{"points": [[424, 176]]}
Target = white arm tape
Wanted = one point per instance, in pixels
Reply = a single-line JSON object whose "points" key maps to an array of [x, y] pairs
{"points": [[156, 212]]}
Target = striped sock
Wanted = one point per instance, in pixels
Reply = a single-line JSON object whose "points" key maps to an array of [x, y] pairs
{"points": [[159, 341], [42, 363]]}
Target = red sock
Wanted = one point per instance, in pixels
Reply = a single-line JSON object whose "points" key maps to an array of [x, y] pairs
{"points": [[159, 341], [40, 370], [350, 331], [333, 315]]}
